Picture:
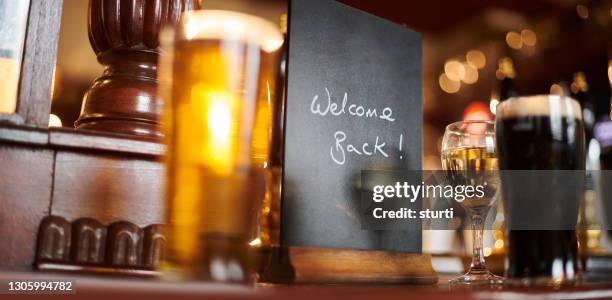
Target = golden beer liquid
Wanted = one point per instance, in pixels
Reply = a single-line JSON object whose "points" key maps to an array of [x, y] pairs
{"points": [[268, 236], [218, 143], [269, 220]]}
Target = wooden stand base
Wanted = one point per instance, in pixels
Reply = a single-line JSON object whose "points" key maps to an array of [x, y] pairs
{"points": [[318, 265]]}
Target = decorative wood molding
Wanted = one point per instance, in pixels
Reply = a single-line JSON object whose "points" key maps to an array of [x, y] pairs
{"points": [[88, 241], [73, 173], [54, 240], [154, 245], [124, 246], [87, 245], [125, 37]]}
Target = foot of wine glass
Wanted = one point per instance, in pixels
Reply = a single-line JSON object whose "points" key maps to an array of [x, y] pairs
{"points": [[478, 274]]}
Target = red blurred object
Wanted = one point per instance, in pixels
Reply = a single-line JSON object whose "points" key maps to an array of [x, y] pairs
{"points": [[477, 111]]}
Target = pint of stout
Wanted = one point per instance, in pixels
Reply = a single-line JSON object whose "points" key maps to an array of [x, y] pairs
{"points": [[217, 74], [540, 143]]}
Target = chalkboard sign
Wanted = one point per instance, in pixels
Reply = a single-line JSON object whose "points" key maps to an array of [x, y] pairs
{"points": [[353, 104]]}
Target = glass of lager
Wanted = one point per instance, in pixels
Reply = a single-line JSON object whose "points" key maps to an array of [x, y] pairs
{"points": [[540, 142], [217, 73]]}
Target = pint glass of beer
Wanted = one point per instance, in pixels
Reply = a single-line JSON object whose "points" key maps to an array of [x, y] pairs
{"points": [[217, 75], [540, 143]]}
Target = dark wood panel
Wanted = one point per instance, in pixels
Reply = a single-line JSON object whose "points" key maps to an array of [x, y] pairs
{"points": [[39, 55], [108, 188], [25, 192]]}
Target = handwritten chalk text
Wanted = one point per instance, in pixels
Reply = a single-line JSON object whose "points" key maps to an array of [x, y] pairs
{"points": [[341, 148], [322, 107]]}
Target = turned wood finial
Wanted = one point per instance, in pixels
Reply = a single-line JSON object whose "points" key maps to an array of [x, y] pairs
{"points": [[125, 37]]}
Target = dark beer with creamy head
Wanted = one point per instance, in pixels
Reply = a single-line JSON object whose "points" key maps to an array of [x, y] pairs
{"points": [[540, 144], [540, 133]]}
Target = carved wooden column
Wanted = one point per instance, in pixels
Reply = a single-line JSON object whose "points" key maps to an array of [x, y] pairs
{"points": [[125, 36]]}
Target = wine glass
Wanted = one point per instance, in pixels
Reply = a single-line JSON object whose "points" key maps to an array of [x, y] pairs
{"points": [[469, 158]]}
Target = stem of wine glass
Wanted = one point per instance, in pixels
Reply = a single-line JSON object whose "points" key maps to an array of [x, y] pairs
{"points": [[478, 261]]}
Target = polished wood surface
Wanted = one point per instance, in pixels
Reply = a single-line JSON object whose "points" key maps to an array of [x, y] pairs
{"points": [[94, 141], [125, 37], [114, 288], [108, 188], [320, 265], [97, 141], [76, 174], [25, 189], [87, 141]]}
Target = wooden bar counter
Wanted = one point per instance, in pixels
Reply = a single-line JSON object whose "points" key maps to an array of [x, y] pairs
{"points": [[121, 288]]}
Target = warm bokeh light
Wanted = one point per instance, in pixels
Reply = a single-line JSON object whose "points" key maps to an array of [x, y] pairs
{"points": [[493, 105], [487, 251], [454, 70], [477, 111], [529, 37], [580, 83], [476, 58], [54, 121], [255, 243], [499, 244], [447, 85], [471, 74], [221, 125], [219, 120], [514, 40], [557, 89], [582, 11], [499, 74], [505, 68], [610, 71]]}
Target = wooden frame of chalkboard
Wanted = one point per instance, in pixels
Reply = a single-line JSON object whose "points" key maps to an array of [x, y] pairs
{"points": [[37, 65], [353, 80]]}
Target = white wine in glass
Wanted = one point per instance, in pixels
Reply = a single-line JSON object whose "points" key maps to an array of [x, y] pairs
{"points": [[469, 158]]}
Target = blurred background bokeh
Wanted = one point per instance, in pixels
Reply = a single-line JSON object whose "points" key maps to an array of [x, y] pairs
{"points": [[476, 52]]}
